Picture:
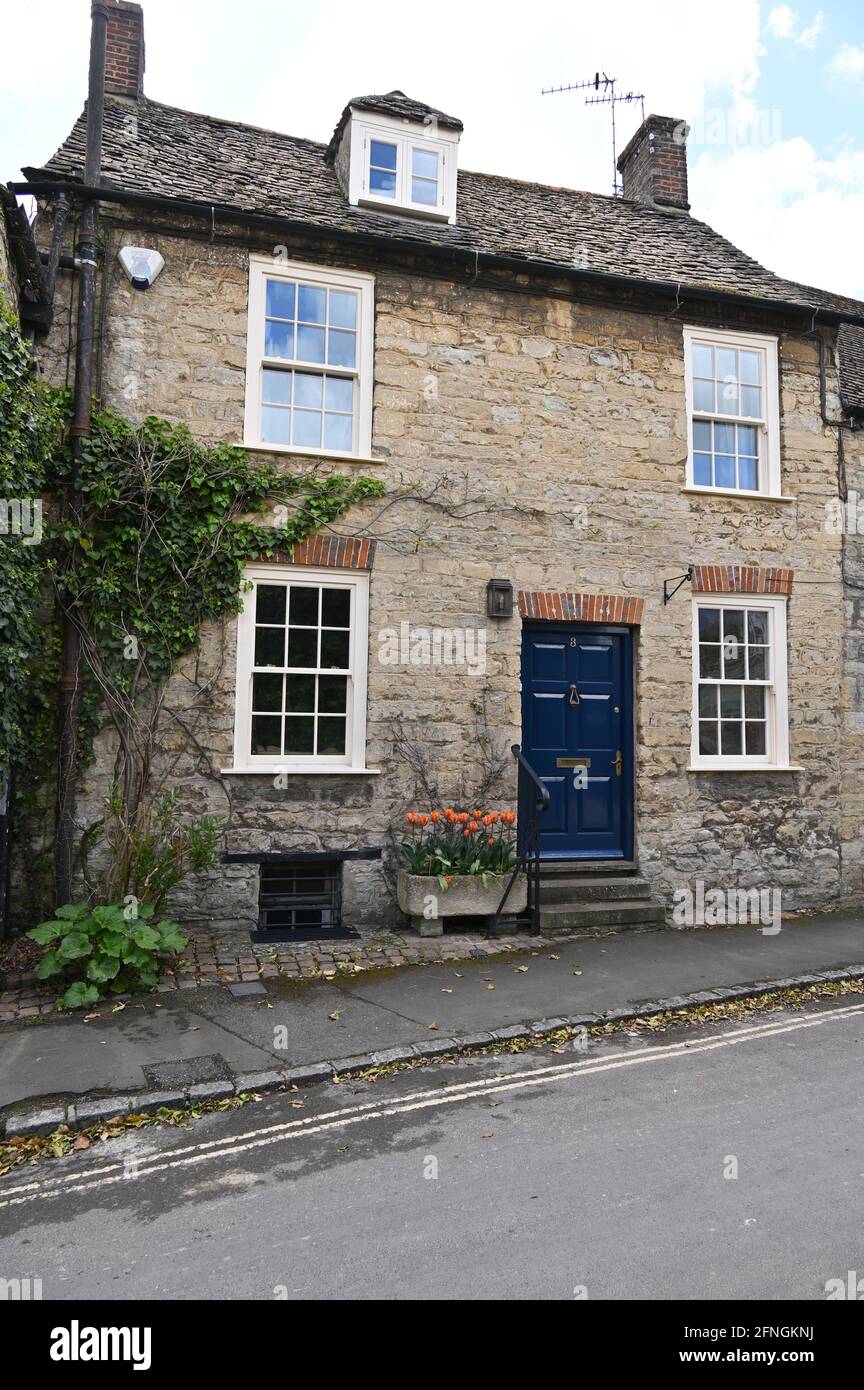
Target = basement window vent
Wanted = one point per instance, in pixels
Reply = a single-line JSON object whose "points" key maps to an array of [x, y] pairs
{"points": [[300, 900]]}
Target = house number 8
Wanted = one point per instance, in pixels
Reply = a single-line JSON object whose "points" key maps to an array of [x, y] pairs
{"points": [[573, 641]]}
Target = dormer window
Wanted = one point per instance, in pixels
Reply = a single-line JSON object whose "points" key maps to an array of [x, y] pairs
{"points": [[392, 153]]}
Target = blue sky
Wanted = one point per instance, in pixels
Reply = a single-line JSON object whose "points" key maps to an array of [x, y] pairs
{"points": [[774, 93]]}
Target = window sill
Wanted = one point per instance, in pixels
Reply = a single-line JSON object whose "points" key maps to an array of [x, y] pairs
{"points": [[737, 492], [321, 454], [419, 211], [308, 770], [749, 767]]}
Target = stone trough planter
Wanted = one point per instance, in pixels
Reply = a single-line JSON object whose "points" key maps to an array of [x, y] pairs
{"points": [[428, 906]]}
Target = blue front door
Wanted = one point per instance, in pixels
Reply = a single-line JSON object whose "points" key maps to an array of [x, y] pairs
{"points": [[577, 734]]}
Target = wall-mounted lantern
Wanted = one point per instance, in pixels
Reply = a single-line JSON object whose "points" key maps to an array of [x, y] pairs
{"points": [[499, 598]]}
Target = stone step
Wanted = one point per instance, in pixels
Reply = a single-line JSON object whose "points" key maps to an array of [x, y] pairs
{"points": [[586, 868], [567, 888], [604, 916]]}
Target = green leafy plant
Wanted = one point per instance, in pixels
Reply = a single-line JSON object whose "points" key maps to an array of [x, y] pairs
{"points": [[151, 852], [452, 843], [113, 949]]}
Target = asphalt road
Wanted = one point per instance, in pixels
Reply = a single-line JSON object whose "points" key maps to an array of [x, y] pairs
{"points": [[542, 1175]]}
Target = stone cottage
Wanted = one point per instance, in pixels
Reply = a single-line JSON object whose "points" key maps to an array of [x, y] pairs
{"points": [[613, 446]]}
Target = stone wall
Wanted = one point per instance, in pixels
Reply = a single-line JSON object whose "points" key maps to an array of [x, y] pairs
{"points": [[528, 436]]}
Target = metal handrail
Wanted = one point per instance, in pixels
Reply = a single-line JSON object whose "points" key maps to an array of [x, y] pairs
{"points": [[527, 840]]}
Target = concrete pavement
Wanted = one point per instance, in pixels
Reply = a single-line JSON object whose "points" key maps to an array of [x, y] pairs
{"points": [[208, 1042]]}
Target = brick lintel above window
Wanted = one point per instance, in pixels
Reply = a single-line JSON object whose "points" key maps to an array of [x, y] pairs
{"points": [[328, 552], [742, 579]]}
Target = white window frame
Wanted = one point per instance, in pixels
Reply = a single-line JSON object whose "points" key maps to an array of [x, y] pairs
{"points": [[264, 268], [444, 144], [354, 759], [768, 430], [776, 688]]}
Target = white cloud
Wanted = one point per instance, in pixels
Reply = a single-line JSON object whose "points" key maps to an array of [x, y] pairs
{"points": [[782, 23], [848, 64], [793, 211]]}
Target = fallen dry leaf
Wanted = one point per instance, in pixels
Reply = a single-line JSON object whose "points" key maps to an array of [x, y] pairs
{"points": [[81, 1142], [334, 1016]]}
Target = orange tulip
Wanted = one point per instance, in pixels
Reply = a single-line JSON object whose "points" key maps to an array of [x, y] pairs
{"points": [[466, 833], [423, 820], [490, 841], [410, 817], [435, 817], [463, 816], [477, 814], [473, 825]]}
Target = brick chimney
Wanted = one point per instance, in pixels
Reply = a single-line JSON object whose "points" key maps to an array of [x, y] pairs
{"points": [[653, 166], [124, 52]]}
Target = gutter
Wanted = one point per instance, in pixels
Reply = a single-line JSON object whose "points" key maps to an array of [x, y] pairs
{"points": [[473, 260]]}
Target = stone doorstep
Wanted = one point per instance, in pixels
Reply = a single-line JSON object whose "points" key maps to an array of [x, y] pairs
{"points": [[42, 1117]]}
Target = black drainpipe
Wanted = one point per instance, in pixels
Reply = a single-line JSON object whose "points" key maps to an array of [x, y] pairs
{"points": [[69, 700]]}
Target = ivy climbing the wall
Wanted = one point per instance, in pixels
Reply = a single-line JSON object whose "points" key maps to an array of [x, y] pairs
{"points": [[148, 546]]}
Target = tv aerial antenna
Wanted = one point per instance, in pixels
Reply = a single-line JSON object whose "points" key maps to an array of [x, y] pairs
{"points": [[601, 83]]}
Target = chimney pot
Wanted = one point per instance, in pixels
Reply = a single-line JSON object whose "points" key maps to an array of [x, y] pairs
{"points": [[653, 165], [124, 49]]}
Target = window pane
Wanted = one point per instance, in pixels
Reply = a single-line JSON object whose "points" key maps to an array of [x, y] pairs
{"points": [[339, 393], [703, 395], [302, 647], [754, 702], [750, 367], [275, 426], [300, 694], [748, 475], [310, 344], [746, 440], [307, 429], [338, 432], [727, 398], [331, 736], [382, 183], [269, 646], [724, 439], [709, 662], [731, 742], [267, 693], [702, 435], [709, 624], [304, 605], [334, 650], [343, 309], [755, 738], [424, 191], [424, 163], [276, 387], [308, 389], [270, 603], [751, 402], [300, 734], [733, 623], [266, 734], [311, 304], [708, 737], [724, 470], [278, 339], [733, 659], [332, 694], [336, 607], [727, 364], [703, 360], [341, 348], [708, 701], [758, 661], [730, 701], [382, 155], [757, 625], [702, 470], [280, 299]]}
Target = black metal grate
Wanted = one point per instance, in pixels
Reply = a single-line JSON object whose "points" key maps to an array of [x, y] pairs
{"points": [[300, 900]]}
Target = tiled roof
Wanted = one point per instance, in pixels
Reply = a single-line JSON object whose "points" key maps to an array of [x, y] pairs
{"points": [[850, 346], [169, 153]]}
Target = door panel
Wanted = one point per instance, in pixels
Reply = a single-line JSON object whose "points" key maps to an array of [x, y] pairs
{"points": [[577, 703]]}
